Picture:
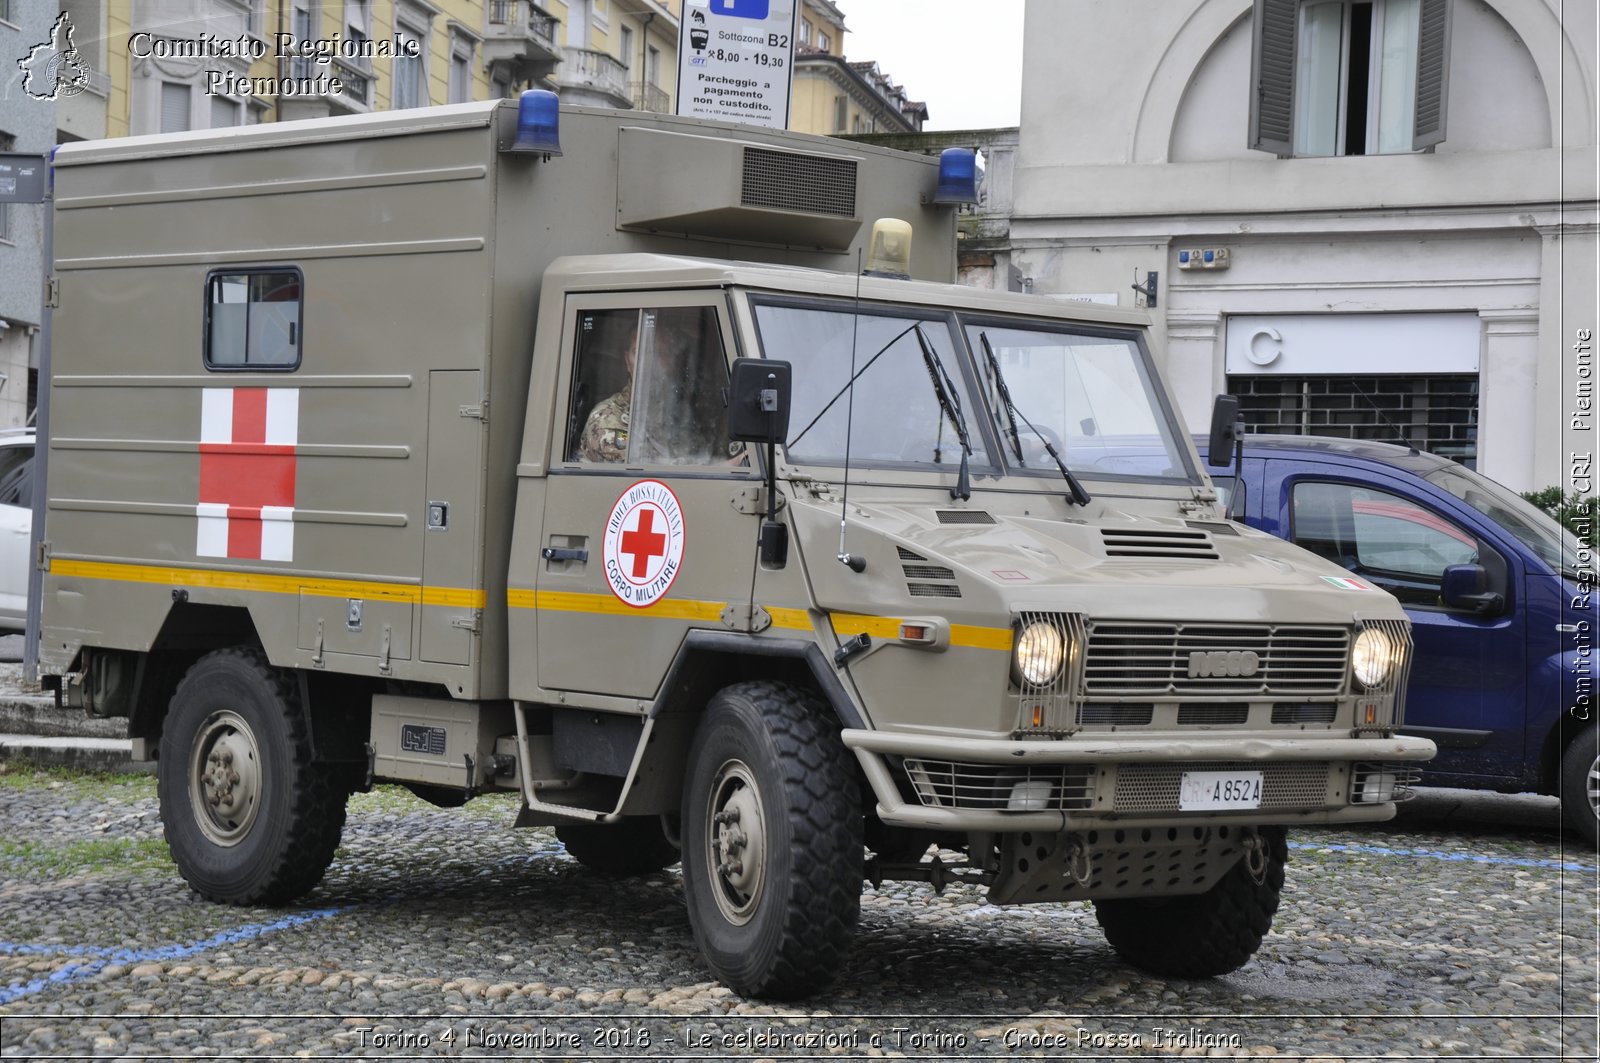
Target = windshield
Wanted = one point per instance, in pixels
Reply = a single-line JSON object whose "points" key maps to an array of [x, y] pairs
{"points": [[898, 419], [1091, 397], [1533, 527]]}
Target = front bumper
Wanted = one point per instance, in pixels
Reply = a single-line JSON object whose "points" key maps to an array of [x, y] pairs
{"points": [[1122, 781]]}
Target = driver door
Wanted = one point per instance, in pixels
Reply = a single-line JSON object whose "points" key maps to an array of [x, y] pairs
{"points": [[640, 540]]}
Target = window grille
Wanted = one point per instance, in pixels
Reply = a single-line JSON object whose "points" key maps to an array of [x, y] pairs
{"points": [[1435, 413]]}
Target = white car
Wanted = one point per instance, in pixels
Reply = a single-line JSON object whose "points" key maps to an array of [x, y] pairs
{"points": [[16, 525]]}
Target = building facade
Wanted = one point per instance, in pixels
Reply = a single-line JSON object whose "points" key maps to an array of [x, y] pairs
{"points": [[1369, 219], [832, 95], [27, 126]]}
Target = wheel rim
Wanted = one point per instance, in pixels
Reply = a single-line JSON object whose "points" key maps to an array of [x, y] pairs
{"points": [[1593, 786], [736, 849], [224, 778]]}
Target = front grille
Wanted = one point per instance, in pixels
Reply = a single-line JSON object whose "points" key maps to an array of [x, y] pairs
{"points": [[786, 180], [949, 784], [933, 590], [1128, 714], [1206, 714], [1145, 543], [1154, 787], [1143, 659], [1313, 712], [928, 572]]}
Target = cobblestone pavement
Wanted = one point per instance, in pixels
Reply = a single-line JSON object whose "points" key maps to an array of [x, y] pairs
{"points": [[446, 933]]}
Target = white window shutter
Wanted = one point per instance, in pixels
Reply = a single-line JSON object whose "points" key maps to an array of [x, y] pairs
{"points": [[174, 107], [1272, 76], [1433, 74]]}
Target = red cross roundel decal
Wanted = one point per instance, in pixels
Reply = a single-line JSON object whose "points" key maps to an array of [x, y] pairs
{"points": [[644, 543]]}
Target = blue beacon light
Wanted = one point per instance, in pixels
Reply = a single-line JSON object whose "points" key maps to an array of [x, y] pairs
{"points": [[538, 123], [958, 176]]}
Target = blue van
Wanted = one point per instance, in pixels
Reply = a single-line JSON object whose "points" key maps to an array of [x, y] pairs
{"points": [[1503, 617]]}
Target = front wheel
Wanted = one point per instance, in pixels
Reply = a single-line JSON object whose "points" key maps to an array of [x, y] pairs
{"points": [[1207, 934], [1580, 786], [250, 817], [772, 841]]}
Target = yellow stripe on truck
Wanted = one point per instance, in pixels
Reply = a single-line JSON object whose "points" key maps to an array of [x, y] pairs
{"points": [[267, 583]]}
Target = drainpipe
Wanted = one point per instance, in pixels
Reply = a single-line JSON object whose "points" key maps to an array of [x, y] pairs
{"points": [[277, 105], [644, 56]]}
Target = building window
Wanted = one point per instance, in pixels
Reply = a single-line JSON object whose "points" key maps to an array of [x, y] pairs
{"points": [[627, 46], [7, 143], [805, 30], [409, 88], [175, 107], [824, 42], [1336, 77], [224, 113], [460, 70], [652, 64], [257, 18], [302, 23], [253, 320], [5, 11], [841, 114]]}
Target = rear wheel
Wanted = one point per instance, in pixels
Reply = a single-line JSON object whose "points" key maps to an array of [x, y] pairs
{"points": [[249, 816], [1580, 786], [772, 841], [1207, 934], [637, 845]]}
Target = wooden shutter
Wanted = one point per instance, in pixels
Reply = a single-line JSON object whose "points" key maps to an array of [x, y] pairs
{"points": [[1433, 73], [1272, 76]]}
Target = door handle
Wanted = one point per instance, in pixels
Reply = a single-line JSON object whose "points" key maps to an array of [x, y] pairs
{"points": [[562, 553]]}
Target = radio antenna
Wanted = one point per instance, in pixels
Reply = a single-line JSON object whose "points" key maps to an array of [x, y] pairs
{"points": [[851, 561]]}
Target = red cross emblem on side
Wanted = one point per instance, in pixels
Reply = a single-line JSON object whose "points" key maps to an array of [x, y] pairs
{"points": [[644, 543]]}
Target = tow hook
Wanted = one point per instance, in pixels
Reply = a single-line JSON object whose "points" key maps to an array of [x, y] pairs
{"points": [[1255, 856], [1078, 864]]}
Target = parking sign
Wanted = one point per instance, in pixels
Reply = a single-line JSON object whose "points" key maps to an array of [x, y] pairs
{"points": [[736, 60]]}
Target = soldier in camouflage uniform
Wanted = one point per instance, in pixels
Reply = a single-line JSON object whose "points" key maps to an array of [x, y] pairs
{"points": [[605, 433]]}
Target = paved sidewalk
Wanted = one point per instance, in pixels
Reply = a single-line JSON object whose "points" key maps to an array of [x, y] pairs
{"points": [[32, 728]]}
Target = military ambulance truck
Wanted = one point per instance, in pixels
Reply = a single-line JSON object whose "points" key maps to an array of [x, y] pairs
{"points": [[571, 454]]}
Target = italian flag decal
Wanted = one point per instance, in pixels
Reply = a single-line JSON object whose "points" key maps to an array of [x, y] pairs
{"points": [[1346, 583], [247, 470]]}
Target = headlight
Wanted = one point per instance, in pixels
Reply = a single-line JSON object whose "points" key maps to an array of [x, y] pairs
{"points": [[1373, 657], [1039, 653]]}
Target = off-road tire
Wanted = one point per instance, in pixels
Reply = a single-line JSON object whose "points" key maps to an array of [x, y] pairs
{"points": [[634, 846], [277, 846], [1204, 935], [772, 752], [1580, 778]]}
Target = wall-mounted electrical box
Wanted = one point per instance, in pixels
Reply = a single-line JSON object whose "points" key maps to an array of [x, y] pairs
{"points": [[1204, 258]]}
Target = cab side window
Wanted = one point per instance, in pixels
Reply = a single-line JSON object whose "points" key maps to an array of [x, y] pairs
{"points": [[647, 388], [1397, 544]]}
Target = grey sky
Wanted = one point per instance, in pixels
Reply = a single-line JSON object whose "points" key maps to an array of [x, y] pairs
{"points": [[963, 58]]}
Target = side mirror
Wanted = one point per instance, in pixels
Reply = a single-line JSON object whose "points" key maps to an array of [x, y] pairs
{"points": [[758, 401], [1464, 587], [1224, 430]]}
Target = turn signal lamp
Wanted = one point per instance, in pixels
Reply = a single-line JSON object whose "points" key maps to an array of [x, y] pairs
{"points": [[889, 250], [538, 123], [958, 176]]}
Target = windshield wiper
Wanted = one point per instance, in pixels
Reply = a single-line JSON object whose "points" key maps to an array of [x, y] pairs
{"points": [[944, 389], [1077, 493]]}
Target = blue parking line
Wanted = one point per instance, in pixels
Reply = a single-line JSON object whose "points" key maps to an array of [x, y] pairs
{"points": [[103, 957], [1436, 854]]}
